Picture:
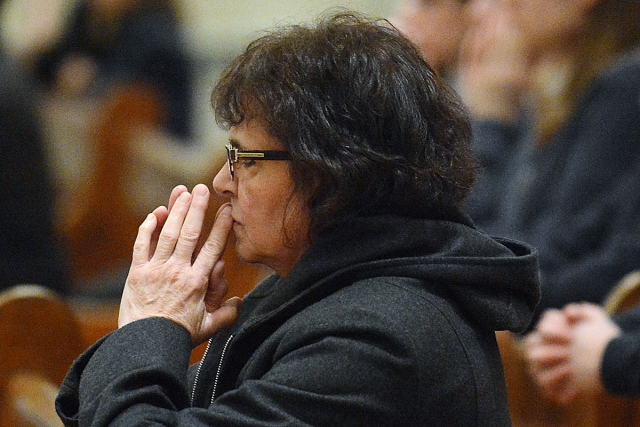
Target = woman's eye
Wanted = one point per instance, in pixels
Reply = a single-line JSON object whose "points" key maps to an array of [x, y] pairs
{"points": [[247, 163]]}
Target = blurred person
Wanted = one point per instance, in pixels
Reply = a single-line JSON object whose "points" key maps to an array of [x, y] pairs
{"points": [[127, 63], [583, 349], [29, 248], [437, 28], [347, 163], [554, 88], [112, 42]]}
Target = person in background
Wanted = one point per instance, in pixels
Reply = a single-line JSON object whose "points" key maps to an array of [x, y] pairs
{"points": [[554, 89], [126, 63], [581, 349], [29, 249], [114, 42], [437, 28], [347, 164]]}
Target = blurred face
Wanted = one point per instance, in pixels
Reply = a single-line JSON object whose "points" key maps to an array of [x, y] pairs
{"points": [[436, 27], [264, 203], [548, 24]]}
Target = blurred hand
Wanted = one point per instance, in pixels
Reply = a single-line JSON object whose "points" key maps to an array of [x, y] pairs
{"points": [[592, 331], [546, 350], [493, 65], [169, 279], [566, 349]]}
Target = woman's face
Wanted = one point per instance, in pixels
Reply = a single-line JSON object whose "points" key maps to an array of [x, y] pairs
{"points": [[549, 24], [271, 222], [436, 27]]}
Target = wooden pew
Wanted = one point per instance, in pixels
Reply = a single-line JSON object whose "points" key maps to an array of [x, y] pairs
{"points": [[39, 339]]}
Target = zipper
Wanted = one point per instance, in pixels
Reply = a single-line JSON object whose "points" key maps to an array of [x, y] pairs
{"points": [[215, 383], [195, 380]]}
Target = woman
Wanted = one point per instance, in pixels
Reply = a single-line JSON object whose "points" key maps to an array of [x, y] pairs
{"points": [[582, 349], [554, 86], [347, 162]]}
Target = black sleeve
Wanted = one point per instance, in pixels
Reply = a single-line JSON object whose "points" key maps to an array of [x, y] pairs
{"points": [[621, 365]]}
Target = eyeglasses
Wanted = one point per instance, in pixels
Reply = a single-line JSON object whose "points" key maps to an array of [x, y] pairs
{"points": [[234, 155]]}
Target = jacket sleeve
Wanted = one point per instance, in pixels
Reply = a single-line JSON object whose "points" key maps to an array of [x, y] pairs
{"points": [[138, 376], [138, 372], [620, 368], [628, 320]]}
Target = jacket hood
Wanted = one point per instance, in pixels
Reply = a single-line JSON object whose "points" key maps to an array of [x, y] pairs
{"points": [[494, 281]]}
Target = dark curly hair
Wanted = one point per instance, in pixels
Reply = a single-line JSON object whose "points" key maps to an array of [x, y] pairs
{"points": [[369, 126]]}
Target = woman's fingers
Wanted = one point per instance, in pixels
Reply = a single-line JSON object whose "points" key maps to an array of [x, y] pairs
{"points": [[554, 327], [175, 193], [556, 384], [171, 230], [168, 280], [142, 245], [546, 356], [213, 248], [192, 226], [217, 288], [219, 319], [161, 213]]}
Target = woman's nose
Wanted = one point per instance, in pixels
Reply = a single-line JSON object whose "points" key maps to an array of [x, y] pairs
{"points": [[222, 183]]}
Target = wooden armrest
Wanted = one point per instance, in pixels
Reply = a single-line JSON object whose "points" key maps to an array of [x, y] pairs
{"points": [[625, 295], [29, 401]]}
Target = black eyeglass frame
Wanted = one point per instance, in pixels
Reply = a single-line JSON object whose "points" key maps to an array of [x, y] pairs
{"points": [[235, 154]]}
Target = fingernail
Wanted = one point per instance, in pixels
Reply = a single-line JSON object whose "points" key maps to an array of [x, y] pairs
{"points": [[218, 268], [225, 208], [234, 302], [200, 190], [184, 197]]}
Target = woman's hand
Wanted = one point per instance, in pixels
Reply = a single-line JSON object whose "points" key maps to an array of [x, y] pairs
{"points": [[169, 279], [493, 65]]}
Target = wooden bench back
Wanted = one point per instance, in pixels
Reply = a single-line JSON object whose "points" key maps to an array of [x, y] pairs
{"points": [[39, 339]]}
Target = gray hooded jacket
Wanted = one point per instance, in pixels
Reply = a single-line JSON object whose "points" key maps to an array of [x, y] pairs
{"points": [[387, 322]]}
